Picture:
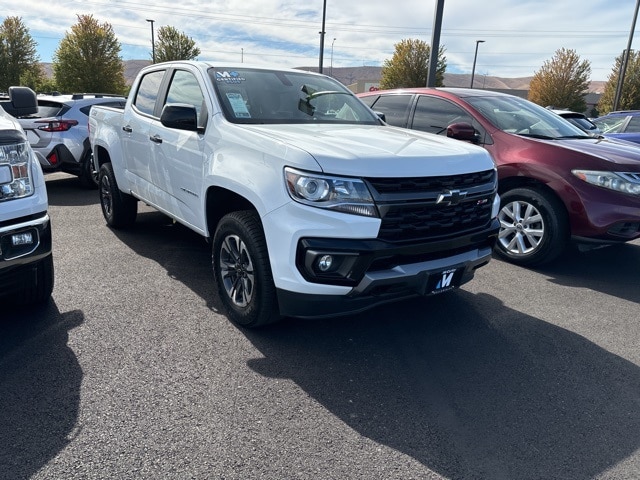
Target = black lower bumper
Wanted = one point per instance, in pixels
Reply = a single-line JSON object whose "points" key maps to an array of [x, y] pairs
{"points": [[427, 269]]}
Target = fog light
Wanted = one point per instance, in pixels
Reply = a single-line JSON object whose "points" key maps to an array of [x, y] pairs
{"points": [[324, 263], [21, 239]]}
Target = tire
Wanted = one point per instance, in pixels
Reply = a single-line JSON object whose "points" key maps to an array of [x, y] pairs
{"points": [[88, 177], [119, 209], [39, 290], [534, 227], [242, 273]]}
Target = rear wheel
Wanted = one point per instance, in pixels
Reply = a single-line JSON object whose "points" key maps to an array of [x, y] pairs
{"points": [[88, 176], [242, 272], [119, 209], [534, 228]]}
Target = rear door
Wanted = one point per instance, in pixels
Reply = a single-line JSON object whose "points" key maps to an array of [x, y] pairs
{"points": [[136, 145]]}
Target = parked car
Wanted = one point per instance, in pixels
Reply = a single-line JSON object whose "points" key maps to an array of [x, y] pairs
{"points": [[624, 125], [58, 133], [580, 120], [555, 182], [26, 261]]}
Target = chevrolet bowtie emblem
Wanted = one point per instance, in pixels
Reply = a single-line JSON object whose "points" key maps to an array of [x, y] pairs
{"points": [[451, 197]]}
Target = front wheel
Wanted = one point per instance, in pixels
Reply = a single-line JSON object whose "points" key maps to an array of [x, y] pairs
{"points": [[242, 272], [534, 228], [119, 209]]}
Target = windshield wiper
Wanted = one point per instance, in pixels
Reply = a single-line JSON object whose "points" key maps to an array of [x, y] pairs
{"points": [[535, 135], [575, 136]]}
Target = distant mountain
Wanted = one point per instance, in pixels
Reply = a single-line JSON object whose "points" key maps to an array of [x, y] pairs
{"points": [[351, 75]]}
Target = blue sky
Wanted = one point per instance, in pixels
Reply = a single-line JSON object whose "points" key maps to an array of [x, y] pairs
{"points": [[519, 36]]}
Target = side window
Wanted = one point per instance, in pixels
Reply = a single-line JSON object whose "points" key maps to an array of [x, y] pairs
{"points": [[395, 108], [184, 88], [369, 100], [634, 124], [433, 115], [147, 93]]}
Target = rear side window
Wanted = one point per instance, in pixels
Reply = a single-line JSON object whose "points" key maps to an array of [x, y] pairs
{"points": [[116, 104], [434, 115], [395, 108], [634, 124], [147, 93]]}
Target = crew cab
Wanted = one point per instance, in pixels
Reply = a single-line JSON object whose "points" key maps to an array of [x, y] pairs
{"points": [[312, 204]]}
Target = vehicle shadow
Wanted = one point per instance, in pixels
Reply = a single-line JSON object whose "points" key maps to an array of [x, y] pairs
{"points": [[612, 270], [459, 382], [467, 387], [40, 381], [65, 190], [184, 254]]}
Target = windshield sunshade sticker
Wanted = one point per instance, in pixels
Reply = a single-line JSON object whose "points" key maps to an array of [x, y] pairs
{"points": [[238, 106]]}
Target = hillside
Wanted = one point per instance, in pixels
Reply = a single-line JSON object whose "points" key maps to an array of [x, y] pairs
{"points": [[351, 75]]}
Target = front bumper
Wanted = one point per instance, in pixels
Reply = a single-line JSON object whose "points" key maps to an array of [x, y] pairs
{"points": [[379, 274], [23, 244]]}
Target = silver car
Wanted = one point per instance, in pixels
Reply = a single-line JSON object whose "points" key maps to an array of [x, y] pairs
{"points": [[58, 133]]}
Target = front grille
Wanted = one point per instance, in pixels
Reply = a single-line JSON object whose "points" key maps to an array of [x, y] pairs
{"points": [[427, 184], [410, 210]]}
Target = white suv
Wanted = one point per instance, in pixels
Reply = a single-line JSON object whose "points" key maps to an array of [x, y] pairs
{"points": [[26, 262], [58, 132]]}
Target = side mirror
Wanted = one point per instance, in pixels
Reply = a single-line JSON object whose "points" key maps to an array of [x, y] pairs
{"points": [[180, 116], [22, 101], [462, 131], [381, 116]]}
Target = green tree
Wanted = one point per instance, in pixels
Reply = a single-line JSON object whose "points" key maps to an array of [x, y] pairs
{"points": [[630, 94], [562, 82], [88, 59], [18, 56], [409, 65], [174, 45]]}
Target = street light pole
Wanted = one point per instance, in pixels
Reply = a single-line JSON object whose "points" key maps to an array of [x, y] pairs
{"points": [[475, 57], [334, 41], [324, 16], [153, 42]]}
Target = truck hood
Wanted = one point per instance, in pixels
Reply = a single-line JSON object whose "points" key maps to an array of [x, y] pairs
{"points": [[379, 151]]}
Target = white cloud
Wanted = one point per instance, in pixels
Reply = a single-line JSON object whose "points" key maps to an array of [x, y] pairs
{"points": [[519, 35]]}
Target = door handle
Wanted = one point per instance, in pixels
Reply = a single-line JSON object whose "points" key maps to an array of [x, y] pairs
{"points": [[156, 139], [127, 129]]}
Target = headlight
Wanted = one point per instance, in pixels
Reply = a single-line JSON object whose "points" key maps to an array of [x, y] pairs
{"points": [[342, 194], [15, 171], [620, 182]]}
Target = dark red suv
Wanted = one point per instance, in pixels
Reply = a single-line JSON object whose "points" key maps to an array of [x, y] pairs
{"points": [[556, 183]]}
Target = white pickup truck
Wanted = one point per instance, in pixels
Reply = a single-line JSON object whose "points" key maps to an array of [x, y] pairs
{"points": [[313, 205]]}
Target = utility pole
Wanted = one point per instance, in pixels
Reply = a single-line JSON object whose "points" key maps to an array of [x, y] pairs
{"points": [[625, 60], [435, 44]]}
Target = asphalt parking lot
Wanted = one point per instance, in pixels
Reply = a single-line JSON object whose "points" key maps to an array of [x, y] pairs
{"points": [[130, 372]]}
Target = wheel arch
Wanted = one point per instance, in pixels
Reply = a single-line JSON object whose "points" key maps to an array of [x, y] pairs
{"points": [[221, 201]]}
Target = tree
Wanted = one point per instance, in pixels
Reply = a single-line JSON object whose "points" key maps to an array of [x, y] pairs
{"points": [[88, 59], [409, 65], [630, 94], [173, 45], [18, 56], [562, 82]]}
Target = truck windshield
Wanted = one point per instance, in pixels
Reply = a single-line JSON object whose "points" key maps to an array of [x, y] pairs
{"points": [[271, 96]]}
